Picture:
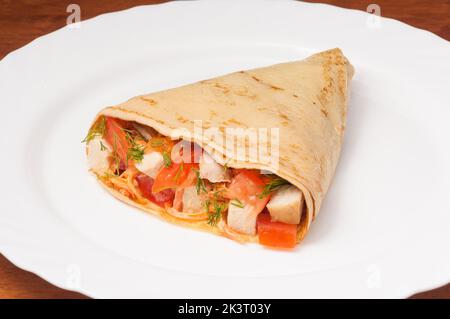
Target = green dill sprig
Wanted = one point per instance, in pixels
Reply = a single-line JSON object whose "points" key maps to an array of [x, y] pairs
{"points": [[136, 151], [216, 215], [225, 166], [207, 204], [179, 171], [98, 129], [166, 158], [102, 146], [200, 184], [218, 208], [236, 202], [128, 135], [274, 184]]}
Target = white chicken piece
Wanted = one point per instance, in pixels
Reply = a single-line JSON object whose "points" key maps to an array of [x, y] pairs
{"points": [[151, 164], [213, 171], [242, 219], [98, 155], [285, 205], [193, 202]]}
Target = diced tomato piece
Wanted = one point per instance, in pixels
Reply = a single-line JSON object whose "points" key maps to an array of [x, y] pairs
{"points": [[191, 178], [275, 234], [187, 152], [116, 137], [165, 196], [178, 200], [246, 186], [122, 166], [172, 176], [161, 198], [252, 175]]}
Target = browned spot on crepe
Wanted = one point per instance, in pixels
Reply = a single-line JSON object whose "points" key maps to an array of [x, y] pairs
{"points": [[149, 100], [182, 119], [262, 82], [233, 121]]}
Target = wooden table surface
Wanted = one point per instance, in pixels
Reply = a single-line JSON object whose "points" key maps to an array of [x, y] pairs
{"points": [[24, 20]]}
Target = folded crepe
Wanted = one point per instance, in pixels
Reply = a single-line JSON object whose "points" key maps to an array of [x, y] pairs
{"points": [[248, 155]]}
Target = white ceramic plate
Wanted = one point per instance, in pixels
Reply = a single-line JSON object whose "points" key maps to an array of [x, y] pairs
{"points": [[384, 227]]}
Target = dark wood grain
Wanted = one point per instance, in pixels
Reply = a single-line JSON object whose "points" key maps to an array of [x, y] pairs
{"points": [[433, 16], [18, 283], [21, 21], [24, 20]]}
